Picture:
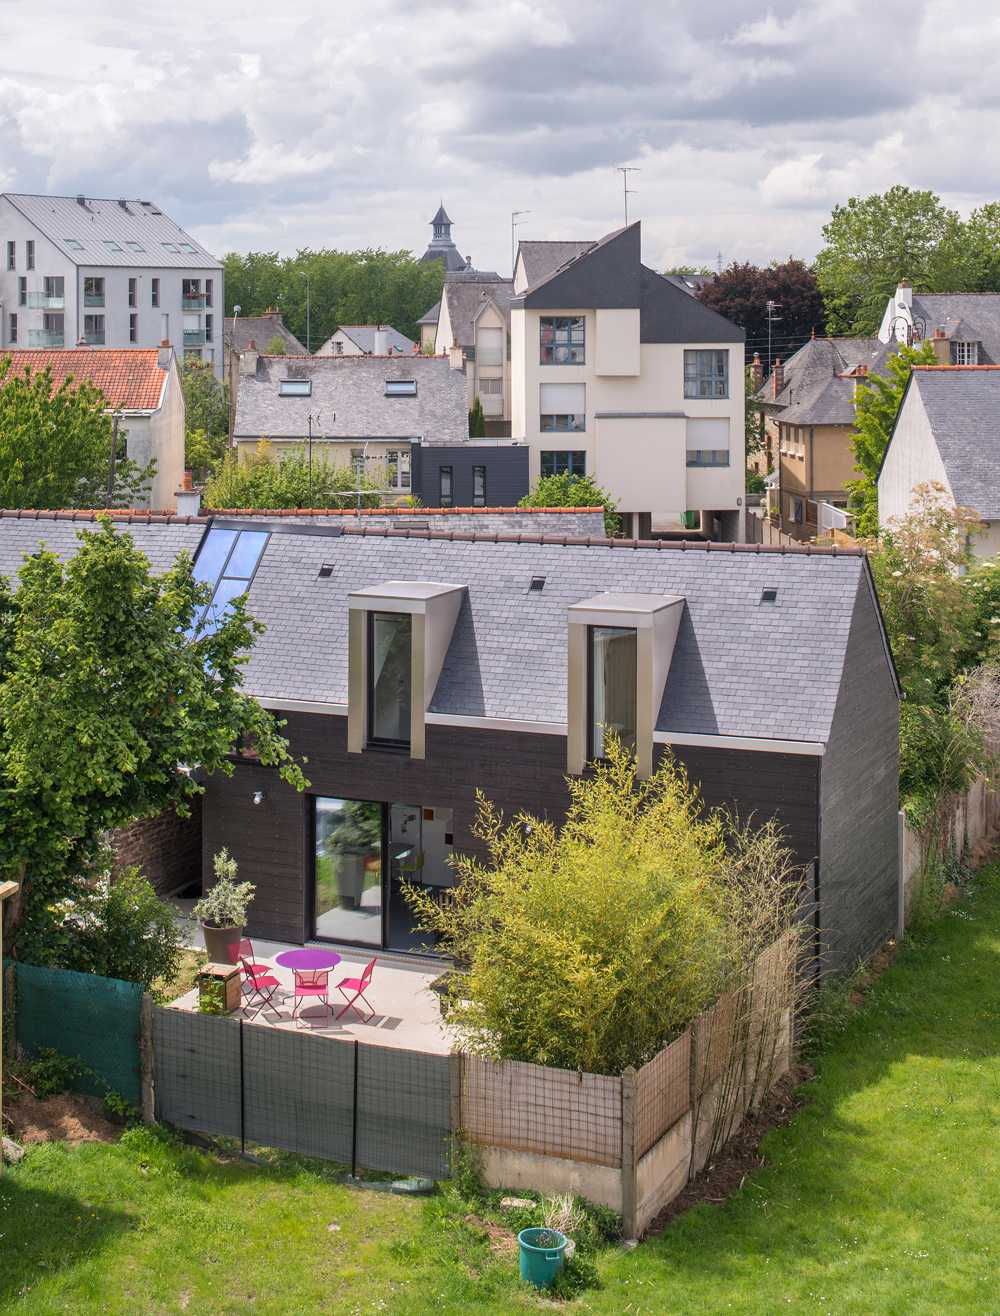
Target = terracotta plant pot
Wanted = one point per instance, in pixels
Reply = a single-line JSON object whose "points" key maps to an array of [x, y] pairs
{"points": [[218, 942]]}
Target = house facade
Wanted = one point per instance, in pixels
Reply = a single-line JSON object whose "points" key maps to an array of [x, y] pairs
{"points": [[947, 433], [963, 327], [102, 273], [143, 388], [390, 658], [618, 374], [367, 340], [474, 316], [808, 405]]}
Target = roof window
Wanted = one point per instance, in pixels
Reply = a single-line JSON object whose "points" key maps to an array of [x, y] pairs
{"points": [[295, 388], [537, 585], [186, 246], [74, 244], [170, 246], [226, 562], [400, 388], [325, 571], [769, 596], [111, 245], [135, 246]]}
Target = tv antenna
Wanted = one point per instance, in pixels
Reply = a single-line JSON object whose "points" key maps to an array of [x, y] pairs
{"points": [[627, 191]]}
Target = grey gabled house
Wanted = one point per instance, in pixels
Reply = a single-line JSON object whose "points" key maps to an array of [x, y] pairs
{"points": [[415, 668]]}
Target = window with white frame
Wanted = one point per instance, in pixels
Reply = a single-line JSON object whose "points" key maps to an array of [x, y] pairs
{"points": [[295, 388], [491, 385], [489, 347], [707, 441], [397, 464], [706, 373], [965, 353]]}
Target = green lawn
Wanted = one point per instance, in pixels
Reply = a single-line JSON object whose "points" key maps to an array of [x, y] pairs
{"points": [[883, 1196]]}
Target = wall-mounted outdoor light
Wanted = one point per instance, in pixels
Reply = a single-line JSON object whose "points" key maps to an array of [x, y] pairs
{"points": [[258, 797]]}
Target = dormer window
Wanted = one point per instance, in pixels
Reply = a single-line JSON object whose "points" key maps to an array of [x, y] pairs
{"points": [[612, 681], [390, 644], [964, 353], [398, 637], [619, 652], [295, 388], [400, 388]]}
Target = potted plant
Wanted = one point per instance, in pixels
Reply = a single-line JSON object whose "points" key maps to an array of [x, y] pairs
{"points": [[223, 911]]}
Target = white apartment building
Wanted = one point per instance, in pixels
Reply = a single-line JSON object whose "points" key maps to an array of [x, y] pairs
{"points": [[618, 374], [105, 273]]}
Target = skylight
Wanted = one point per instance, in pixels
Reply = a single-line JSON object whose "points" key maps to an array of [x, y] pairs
{"points": [[74, 244], [537, 585], [295, 388], [111, 245], [226, 561], [170, 246], [769, 596], [135, 246], [400, 388], [186, 246]]}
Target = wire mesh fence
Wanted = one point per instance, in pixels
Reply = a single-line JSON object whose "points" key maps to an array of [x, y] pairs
{"points": [[663, 1093], [554, 1112], [94, 1019], [370, 1107]]}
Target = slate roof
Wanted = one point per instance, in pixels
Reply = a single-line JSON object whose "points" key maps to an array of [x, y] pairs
{"points": [[541, 258], [971, 316], [129, 377], [963, 408], [348, 399], [740, 668], [432, 316], [160, 541], [100, 220], [240, 331], [466, 297], [363, 336], [815, 390]]}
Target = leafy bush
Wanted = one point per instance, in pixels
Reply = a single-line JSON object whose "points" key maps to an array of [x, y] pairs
{"points": [[592, 946], [48, 1072], [258, 480], [573, 491], [129, 932], [756, 484], [226, 904]]}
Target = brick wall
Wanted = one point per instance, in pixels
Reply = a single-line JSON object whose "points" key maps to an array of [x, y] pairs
{"points": [[166, 848]]}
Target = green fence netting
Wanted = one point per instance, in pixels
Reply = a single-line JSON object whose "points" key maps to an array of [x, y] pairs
{"points": [[80, 1014]]}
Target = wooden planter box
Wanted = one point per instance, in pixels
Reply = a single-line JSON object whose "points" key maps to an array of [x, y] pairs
{"points": [[219, 983]]}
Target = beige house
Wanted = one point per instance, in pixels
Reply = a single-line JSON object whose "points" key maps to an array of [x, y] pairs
{"points": [[474, 315], [621, 375], [809, 419], [947, 433], [142, 386], [367, 340], [365, 412]]}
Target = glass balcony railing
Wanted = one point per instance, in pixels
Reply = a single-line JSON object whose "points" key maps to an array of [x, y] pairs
{"points": [[94, 338], [47, 301], [93, 299], [194, 302], [194, 338], [46, 338]]}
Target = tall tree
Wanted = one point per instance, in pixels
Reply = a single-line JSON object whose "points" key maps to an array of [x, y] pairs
{"points": [[55, 445], [741, 293], [873, 242], [341, 287], [875, 409], [103, 696], [206, 417]]}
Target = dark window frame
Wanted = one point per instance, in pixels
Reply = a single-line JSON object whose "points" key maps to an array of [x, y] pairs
{"points": [[567, 467], [446, 500], [479, 475], [591, 757], [563, 325], [154, 292], [373, 741]]}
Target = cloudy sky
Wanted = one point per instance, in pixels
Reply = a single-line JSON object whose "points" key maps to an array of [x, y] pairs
{"points": [[274, 126]]}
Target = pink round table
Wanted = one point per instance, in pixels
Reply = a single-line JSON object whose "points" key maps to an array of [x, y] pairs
{"points": [[308, 957]]}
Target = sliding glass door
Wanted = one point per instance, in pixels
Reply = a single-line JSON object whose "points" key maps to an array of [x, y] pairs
{"points": [[347, 883]]}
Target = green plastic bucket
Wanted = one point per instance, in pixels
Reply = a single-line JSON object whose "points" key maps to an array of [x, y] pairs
{"points": [[540, 1265]]}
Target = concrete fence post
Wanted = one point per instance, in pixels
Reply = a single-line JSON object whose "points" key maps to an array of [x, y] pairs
{"points": [[455, 1079], [148, 1106], [901, 884], [630, 1222]]}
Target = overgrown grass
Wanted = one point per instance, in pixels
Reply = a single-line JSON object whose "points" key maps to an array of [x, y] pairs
{"points": [[882, 1195]]}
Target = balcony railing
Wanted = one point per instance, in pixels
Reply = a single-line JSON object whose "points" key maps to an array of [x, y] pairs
{"points": [[45, 301], [93, 299], [94, 338], [193, 303], [194, 338], [46, 338]]}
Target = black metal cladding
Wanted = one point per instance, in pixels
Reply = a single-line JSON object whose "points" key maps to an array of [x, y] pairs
{"points": [[506, 474]]}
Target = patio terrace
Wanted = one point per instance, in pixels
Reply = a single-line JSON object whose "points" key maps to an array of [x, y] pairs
{"points": [[408, 1015]]}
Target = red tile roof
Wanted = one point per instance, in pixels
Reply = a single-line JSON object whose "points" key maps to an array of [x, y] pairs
{"points": [[129, 378]]}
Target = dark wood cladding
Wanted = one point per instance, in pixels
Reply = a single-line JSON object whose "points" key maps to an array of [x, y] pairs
{"points": [[516, 770]]}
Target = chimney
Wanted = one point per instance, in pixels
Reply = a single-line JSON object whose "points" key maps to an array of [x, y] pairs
{"points": [[756, 373], [860, 378], [380, 347], [468, 262], [164, 354], [942, 347], [904, 294], [81, 200], [187, 498], [456, 357], [248, 359], [777, 378]]}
